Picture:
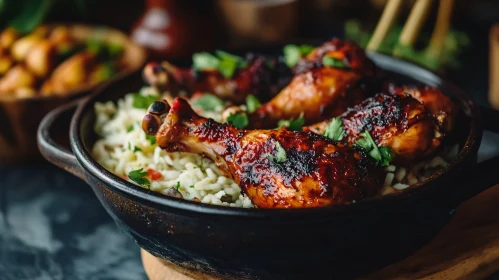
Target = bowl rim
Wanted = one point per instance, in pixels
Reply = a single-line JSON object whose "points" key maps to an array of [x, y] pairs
{"points": [[169, 204], [128, 44]]}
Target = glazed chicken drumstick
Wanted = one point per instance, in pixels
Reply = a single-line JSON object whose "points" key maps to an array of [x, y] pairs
{"points": [[436, 102], [275, 168], [397, 121], [258, 78], [326, 83]]}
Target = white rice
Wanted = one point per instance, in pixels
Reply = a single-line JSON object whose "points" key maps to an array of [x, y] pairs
{"points": [[197, 178]]}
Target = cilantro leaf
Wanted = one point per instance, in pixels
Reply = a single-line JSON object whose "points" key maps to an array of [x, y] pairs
{"points": [[293, 53], [387, 155], [204, 60], [335, 130], [224, 62], [208, 102], [151, 139], [334, 62], [280, 155], [143, 101], [138, 177], [292, 124], [383, 155], [239, 120], [252, 103]]}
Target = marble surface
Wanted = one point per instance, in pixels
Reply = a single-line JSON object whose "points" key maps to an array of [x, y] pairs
{"points": [[53, 227]]}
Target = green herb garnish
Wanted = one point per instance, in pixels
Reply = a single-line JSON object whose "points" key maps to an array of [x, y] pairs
{"points": [[129, 128], [239, 120], [334, 62], [382, 155], [138, 177], [224, 62], [280, 155], [335, 130], [191, 186], [178, 185], [208, 102], [205, 61], [292, 124], [293, 53], [252, 103], [151, 139], [143, 101]]}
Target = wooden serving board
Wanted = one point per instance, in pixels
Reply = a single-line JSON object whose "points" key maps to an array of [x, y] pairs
{"points": [[467, 248]]}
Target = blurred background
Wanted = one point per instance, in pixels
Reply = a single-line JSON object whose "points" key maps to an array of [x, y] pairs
{"points": [[173, 29]]}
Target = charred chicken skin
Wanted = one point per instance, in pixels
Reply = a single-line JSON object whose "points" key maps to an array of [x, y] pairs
{"points": [[275, 168], [258, 78], [436, 102], [397, 121], [319, 91]]}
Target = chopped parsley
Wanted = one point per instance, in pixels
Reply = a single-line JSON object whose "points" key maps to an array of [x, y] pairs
{"points": [[293, 53], [292, 124], [138, 176], [239, 120], [178, 185], [191, 186], [252, 103], [280, 155], [208, 102], [334, 62], [151, 139], [224, 62], [135, 148], [129, 128], [143, 101], [383, 155], [334, 129]]}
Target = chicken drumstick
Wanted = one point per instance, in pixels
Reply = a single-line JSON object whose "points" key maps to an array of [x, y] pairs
{"points": [[275, 168]]}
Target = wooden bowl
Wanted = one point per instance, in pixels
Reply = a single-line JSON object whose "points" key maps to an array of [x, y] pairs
{"points": [[20, 117]]}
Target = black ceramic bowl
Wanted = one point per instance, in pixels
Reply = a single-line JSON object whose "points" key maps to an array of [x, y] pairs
{"points": [[339, 241]]}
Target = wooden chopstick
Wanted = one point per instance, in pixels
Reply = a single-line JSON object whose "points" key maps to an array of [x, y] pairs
{"points": [[388, 17], [441, 29], [494, 66], [414, 23]]}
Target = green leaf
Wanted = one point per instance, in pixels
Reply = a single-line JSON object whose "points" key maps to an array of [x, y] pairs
{"points": [[280, 155], [32, 14], [143, 101], [130, 128], [208, 102], [334, 62], [178, 185], [292, 124], [252, 103], [227, 67], [292, 55], [239, 120], [204, 60], [387, 155], [306, 49], [151, 139], [382, 155], [335, 130], [138, 177], [191, 186]]}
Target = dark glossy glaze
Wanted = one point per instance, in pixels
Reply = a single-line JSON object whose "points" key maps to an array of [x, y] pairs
{"points": [[315, 171], [263, 77], [436, 102], [397, 121], [318, 91]]}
